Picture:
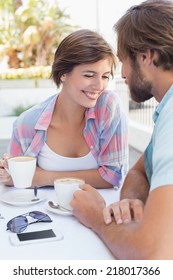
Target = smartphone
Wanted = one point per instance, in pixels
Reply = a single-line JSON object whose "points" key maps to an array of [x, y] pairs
{"points": [[35, 236]]}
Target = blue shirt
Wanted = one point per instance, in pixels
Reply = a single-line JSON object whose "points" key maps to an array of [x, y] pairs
{"points": [[158, 156]]}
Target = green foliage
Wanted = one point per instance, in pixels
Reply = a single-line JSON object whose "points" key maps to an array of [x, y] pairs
{"points": [[31, 31], [20, 109]]}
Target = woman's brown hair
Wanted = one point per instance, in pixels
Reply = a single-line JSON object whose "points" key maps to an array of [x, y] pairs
{"points": [[80, 47]]}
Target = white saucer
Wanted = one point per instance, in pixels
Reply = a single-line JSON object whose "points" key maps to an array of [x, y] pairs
{"points": [[22, 197], [57, 211]]}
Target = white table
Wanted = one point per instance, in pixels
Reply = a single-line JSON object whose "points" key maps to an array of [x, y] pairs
{"points": [[79, 242]]}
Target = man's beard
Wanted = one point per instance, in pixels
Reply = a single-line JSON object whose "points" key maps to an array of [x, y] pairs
{"points": [[140, 88]]}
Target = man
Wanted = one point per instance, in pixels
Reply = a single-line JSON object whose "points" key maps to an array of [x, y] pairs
{"points": [[145, 48]]}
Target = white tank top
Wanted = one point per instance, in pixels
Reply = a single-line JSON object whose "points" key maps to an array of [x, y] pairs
{"points": [[49, 160]]}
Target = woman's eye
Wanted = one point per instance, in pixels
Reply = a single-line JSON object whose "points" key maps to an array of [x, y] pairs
{"points": [[91, 76], [106, 77], [88, 76]]}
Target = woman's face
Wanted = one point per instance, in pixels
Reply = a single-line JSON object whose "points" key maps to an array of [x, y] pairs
{"points": [[85, 83]]}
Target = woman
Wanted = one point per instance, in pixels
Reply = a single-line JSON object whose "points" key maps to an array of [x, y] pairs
{"points": [[80, 132]]}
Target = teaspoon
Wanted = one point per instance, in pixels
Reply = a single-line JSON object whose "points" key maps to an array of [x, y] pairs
{"points": [[55, 205], [35, 195]]}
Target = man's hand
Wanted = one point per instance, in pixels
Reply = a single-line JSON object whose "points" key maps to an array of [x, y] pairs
{"points": [[88, 206], [124, 211]]}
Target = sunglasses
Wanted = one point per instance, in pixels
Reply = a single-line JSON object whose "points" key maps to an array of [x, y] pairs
{"points": [[20, 223]]}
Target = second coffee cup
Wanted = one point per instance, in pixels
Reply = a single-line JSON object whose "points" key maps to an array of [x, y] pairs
{"points": [[65, 188]]}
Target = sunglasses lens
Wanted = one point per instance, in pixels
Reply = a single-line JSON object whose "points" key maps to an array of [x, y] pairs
{"points": [[18, 224], [40, 216]]}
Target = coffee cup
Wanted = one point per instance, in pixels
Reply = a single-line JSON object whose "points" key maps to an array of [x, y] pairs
{"points": [[65, 188], [22, 169]]}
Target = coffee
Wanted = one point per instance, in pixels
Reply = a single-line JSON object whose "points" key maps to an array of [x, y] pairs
{"points": [[21, 159]]}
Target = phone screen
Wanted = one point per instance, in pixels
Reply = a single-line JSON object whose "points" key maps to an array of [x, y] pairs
{"points": [[36, 235]]}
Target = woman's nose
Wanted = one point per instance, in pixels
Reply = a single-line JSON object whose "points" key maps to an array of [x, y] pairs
{"points": [[98, 84]]}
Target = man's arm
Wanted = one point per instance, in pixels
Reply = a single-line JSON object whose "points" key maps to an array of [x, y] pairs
{"points": [[149, 239], [136, 185], [133, 196]]}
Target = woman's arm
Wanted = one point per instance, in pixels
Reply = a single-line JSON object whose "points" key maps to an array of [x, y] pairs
{"points": [[110, 141], [44, 177]]}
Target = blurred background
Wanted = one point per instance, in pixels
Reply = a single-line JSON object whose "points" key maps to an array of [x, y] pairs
{"points": [[30, 32]]}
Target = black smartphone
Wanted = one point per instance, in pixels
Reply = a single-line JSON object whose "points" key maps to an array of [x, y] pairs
{"points": [[35, 236]]}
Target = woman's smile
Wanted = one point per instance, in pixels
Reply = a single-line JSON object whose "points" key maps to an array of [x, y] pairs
{"points": [[91, 95]]}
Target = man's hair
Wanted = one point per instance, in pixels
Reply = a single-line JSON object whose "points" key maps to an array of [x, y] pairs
{"points": [[80, 47], [147, 26]]}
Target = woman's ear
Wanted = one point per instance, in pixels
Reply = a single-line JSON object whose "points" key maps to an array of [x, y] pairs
{"points": [[63, 78]]}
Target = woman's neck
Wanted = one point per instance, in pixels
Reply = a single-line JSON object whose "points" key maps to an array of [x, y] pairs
{"points": [[67, 112]]}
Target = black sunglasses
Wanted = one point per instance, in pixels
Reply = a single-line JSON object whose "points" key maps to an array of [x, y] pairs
{"points": [[20, 223]]}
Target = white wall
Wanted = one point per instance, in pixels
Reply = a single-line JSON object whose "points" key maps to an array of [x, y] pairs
{"points": [[23, 93], [139, 136]]}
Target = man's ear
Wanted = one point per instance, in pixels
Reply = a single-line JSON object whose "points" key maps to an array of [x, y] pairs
{"points": [[144, 56], [147, 57]]}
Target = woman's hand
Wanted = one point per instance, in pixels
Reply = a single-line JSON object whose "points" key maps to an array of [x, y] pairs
{"points": [[4, 174], [124, 211]]}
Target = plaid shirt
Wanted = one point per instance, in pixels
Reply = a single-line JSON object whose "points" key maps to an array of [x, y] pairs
{"points": [[105, 133]]}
